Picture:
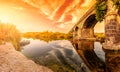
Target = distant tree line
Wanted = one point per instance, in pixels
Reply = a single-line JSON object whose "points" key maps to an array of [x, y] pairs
{"points": [[100, 37], [47, 36]]}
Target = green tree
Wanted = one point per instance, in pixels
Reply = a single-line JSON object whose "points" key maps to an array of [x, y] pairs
{"points": [[104, 6]]}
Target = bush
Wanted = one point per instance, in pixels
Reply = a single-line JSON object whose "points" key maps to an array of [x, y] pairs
{"points": [[9, 33]]}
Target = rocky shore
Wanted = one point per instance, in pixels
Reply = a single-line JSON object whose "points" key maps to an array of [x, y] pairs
{"points": [[14, 61]]}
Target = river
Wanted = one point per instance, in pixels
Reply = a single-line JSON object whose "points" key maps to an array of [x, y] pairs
{"points": [[63, 55]]}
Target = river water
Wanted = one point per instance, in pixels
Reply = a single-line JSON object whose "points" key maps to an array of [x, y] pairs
{"points": [[65, 56]]}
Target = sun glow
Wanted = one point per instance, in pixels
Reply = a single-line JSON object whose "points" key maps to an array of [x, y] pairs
{"points": [[4, 20], [4, 14]]}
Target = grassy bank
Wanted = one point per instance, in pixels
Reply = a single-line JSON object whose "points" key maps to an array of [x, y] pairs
{"points": [[9, 33]]}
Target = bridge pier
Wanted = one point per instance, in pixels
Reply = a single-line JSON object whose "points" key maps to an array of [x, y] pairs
{"points": [[84, 33], [87, 33], [112, 59], [112, 39]]}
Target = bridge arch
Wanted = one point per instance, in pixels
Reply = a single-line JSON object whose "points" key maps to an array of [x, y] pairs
{"points": [[85, 25], [87, 30], [90, 22]]}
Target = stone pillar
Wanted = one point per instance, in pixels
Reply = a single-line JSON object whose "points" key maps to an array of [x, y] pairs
{"points": [[112, 27], [87, 33], [112, 60], [112, 39], [75, 33]]}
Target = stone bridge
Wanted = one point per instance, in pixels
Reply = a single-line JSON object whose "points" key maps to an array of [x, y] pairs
{"points": [[84, 29], [85, 26]]}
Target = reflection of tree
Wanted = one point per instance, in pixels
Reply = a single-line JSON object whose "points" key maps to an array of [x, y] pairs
{"points": [[9, 33]]}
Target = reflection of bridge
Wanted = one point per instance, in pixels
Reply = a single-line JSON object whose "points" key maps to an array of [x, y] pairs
{"points": [[85, 49], [85, 26]]}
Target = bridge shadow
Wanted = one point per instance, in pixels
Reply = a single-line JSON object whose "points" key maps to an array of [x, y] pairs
{"points": [[85, 49]]}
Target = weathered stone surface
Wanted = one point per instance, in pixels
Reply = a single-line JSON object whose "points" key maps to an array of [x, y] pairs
{"points": [[112, 25], [13, 61], [112, 61], [87, 33]]}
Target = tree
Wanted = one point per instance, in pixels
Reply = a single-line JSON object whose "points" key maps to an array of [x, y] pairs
{"points": [[104, 6]]}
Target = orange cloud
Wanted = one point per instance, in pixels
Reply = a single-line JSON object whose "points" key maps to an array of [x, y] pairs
{"points": [[62, 11], [54, 13]]}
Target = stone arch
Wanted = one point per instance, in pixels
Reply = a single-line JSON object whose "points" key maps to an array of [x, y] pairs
{"points": [[87, 30], [90, 22]]}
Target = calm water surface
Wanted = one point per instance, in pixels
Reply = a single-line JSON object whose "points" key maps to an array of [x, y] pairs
{"points": [[63, 53]]}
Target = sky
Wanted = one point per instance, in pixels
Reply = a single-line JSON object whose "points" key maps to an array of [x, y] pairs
{"points": [[45, 15]]}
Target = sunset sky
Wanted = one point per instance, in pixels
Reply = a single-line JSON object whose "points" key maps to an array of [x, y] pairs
{"points": [[43, 15]]}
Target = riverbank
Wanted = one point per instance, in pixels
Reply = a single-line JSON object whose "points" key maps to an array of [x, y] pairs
{"points": [[14, 61]]}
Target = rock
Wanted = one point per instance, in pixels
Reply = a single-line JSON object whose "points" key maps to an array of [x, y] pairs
{"points": [[14, 61]]}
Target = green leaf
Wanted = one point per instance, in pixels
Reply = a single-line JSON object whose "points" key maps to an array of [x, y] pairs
{"points": [[116, 3], [100, 10], [103, 7]]}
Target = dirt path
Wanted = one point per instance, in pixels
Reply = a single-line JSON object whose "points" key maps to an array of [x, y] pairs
{"points": [[13, 61]]}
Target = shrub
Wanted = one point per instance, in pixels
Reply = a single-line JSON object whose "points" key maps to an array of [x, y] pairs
{"points": [[9, 33]]}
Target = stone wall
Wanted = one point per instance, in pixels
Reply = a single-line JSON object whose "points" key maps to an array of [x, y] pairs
{"points": [[112, 61], [112, 28]]}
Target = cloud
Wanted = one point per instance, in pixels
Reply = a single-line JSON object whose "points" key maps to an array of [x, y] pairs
{"points": [[62, 9], [61, 13], [61, 26], [54, 9], [18, 8], [86, 3]]}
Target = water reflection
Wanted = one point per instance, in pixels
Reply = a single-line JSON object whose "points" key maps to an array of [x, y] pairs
{"points": [[58, 55], [86, 51], [61, 56]]}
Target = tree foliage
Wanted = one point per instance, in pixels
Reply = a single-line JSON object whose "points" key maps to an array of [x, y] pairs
{"points": [[117, 4], [100, 9], [46, 36]]}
